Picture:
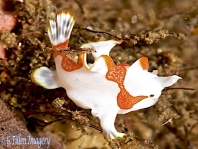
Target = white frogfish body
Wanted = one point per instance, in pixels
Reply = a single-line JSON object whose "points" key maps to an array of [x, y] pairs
{"points": [[105, 88]]}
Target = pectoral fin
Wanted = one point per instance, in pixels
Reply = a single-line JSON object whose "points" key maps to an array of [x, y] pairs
{"points": [[46, 78]]}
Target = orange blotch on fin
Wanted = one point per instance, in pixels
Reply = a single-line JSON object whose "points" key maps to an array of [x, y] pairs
{"points": [[61, 46], [117, 74], [68, 64], [144, 63], [66, 12]]}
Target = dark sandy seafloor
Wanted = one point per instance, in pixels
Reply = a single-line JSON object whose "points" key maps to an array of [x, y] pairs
{"points": [[164, 31]]}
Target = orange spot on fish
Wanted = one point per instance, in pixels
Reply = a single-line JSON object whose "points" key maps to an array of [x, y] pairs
{"points": [[144, 63], [61, 46], [68, 64], [127, 101], [117, 74]]}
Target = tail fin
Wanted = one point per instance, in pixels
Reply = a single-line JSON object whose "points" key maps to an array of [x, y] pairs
{"points": [[46, 78], [59, 30]]}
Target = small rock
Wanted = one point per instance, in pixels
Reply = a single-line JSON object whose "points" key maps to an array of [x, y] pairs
{"points": [[7, 22]]}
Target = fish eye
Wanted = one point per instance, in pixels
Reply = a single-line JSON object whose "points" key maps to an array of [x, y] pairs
{"points": [[152, 95]]}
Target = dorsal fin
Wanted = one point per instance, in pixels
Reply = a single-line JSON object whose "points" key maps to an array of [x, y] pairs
{"points": [[140, 65], [101, 47], [144, 63], [59, 30]]}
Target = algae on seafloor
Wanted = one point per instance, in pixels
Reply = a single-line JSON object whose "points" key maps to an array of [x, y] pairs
{"points": [[155, 33]]}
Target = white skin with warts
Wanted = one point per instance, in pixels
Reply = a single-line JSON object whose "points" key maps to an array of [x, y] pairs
{"points": [[91, 90]]}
